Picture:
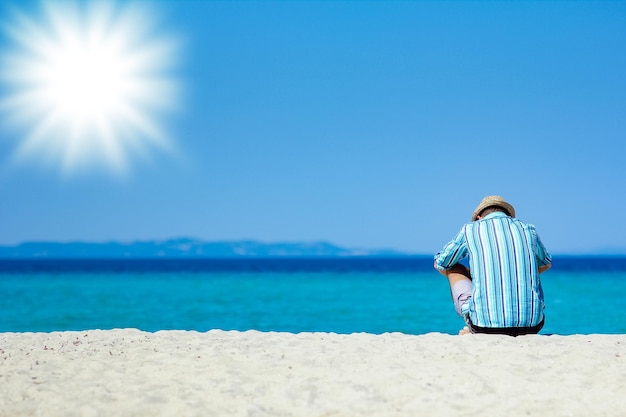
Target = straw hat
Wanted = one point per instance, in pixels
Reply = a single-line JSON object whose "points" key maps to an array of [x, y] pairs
{"points": [[490, 201]]}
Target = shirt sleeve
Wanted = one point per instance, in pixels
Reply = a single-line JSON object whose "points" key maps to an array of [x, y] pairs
{"points": [[453, 252], [542, 255]]}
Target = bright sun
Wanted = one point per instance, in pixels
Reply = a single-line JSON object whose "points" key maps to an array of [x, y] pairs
{"points": [[85, 84]]}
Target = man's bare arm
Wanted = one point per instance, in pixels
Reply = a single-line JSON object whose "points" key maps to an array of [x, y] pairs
{"points": [[544, 268], [441, 271]]}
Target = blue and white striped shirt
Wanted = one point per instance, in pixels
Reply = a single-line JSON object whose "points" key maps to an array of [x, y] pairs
{"points": [[504, 257]]}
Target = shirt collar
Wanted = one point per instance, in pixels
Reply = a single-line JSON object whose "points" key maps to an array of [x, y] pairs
{"points": [[495, 214]]}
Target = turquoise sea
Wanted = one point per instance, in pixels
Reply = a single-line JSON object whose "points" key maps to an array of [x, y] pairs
{"points": [[344, 295]]}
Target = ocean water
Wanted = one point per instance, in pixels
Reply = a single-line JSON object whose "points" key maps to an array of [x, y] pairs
{"points": [[346, 295]]}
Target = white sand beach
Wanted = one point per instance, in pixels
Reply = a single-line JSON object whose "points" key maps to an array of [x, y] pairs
{"points": [[180, 373]]}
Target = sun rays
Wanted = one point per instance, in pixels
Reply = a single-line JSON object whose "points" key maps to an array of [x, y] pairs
{"points": [[87, 84]]}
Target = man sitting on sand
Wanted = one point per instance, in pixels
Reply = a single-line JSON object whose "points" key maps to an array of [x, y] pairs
{"points": [[501, 291]]}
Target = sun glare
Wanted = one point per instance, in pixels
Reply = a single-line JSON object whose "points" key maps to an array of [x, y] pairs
{"points": [[85, 83]]}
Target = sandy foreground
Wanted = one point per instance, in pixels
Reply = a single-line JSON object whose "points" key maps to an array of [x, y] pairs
{"points": [[179, 373]]}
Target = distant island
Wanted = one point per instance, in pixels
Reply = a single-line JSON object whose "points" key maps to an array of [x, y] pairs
{"points": [[187, 248]]}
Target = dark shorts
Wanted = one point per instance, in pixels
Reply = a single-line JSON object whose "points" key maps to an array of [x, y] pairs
{"points": [[509, 331]]}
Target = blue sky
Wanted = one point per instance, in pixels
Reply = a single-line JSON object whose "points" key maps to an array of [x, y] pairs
{"points": [[376, 124]]}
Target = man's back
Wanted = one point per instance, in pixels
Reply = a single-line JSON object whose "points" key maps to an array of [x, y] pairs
{"points": [[503, 254]]}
